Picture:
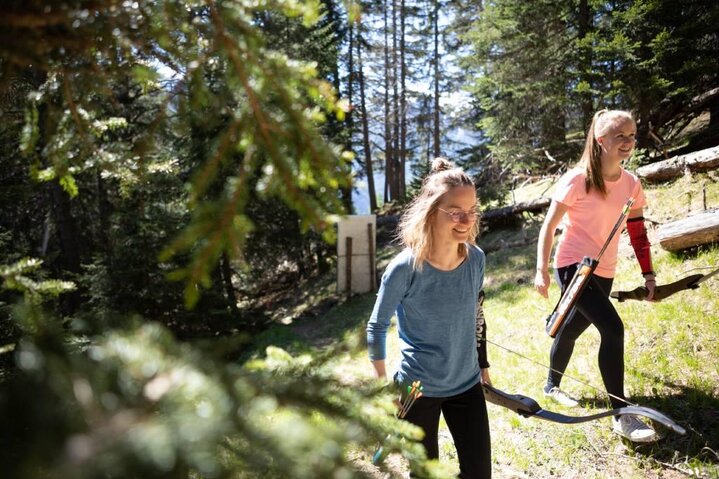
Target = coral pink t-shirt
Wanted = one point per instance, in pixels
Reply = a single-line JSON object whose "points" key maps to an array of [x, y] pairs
{"points": [[591, 217]]}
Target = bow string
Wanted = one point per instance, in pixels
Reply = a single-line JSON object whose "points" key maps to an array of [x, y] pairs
{"points": [[528, 407]]}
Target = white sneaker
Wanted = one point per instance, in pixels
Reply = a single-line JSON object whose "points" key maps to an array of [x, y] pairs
{"points": [[633, 429], [561, 397]]}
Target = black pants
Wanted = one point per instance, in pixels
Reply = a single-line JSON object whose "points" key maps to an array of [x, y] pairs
{"points": [[593, 307], [466, 416]]}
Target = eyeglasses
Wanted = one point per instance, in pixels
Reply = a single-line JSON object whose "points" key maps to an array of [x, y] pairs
{"points": [[458, 215]]}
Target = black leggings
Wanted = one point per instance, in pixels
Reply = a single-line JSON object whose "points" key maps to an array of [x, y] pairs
{"points": [[466, 416], [593, 307]]}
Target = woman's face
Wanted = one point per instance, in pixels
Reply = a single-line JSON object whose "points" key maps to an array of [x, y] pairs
{"points": [[618, 142], [455, 216]]}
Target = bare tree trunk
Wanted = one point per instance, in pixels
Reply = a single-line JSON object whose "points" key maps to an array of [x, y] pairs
{"points": [[345, 190], [435, 129], [69, 239], [66, 228], [365, 126], [350, 66], [226, 275], [104, 210], [585, 63], [403, 104], [349, 125], [388, 174], [695, 230], [395, 185]]}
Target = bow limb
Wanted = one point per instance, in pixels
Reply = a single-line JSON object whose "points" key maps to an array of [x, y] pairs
{"points": [[660, 292], [528, 407]]}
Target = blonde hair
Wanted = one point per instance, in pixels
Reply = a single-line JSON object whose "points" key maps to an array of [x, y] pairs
{"points": [[591, 160], [415, 227]]}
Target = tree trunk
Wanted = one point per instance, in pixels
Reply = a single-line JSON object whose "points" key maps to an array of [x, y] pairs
{"points": [[226, 274], [688, 232], [69, 239], [349, 124], [350, 67], [365, 126], [388, 173], [509, 214], [104, 210], [585, 63], [395, 186], [673, 167], [435, 129], [66, 228], [403, 104], [345, 189]]}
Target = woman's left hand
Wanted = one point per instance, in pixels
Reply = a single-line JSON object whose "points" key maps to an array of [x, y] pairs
{"points": [[485, 379], [650, 282]]}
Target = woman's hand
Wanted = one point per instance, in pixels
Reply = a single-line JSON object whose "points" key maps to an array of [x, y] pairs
{"points": [[484, 374], [541, 282]]}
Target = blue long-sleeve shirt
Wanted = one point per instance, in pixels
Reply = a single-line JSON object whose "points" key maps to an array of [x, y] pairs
{"points": [[436, 313]]}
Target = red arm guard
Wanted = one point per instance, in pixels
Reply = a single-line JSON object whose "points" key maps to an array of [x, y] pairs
{"points": [[642, 248]]}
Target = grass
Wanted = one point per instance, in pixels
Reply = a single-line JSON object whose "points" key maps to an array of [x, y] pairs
{"points": [[671, 361]]}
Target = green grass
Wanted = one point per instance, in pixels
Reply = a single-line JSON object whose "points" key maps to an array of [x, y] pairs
{"points": [[671, 361]]}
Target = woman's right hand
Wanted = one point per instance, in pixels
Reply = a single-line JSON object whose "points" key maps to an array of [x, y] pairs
{"points": [[541, 282]]}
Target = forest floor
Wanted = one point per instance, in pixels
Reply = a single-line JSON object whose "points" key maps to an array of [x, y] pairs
{"points": [[671, 358]]}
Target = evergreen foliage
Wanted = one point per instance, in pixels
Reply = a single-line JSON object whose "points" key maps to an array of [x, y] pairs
{"points": [[203, 142], [133, 402], [543, 67], [153, 140]]}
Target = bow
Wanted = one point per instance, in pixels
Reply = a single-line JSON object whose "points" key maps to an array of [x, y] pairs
{"points": [[660, 292], [528, 407]]}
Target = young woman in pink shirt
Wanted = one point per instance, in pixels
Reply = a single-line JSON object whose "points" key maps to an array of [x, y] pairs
{"points": [[588, 200]]}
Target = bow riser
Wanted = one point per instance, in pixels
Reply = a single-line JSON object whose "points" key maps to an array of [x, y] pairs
{"points": [[660, 292]]}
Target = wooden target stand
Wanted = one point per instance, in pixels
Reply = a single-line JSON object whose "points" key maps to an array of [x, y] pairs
{"points": [[356, 258]]}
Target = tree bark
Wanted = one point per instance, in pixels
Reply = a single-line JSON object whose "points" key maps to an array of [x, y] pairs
{"points": [[674, 167], [435, 126], [689, 232], [387, 125], [345, 189], [66, 228], [365, 126], [395, 185], [226, 271], [403, 104], [585, 63], [508, 214], [104, 210]]}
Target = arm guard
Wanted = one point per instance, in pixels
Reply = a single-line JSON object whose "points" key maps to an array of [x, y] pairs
{"points": [[642, 248], [481, 333]]}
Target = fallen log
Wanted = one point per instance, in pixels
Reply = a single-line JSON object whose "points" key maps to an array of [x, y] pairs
{"points": [[509, 214], [701, 160], [696, 230]]}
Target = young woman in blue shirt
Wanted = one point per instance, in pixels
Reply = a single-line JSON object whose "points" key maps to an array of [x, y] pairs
{"points": [[433, 287]]}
